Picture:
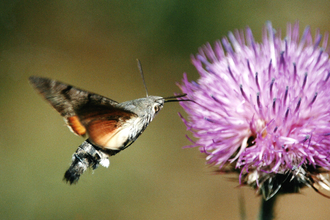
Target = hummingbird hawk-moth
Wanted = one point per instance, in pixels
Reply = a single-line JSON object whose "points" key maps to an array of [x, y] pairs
{"points": [[110, 126]]}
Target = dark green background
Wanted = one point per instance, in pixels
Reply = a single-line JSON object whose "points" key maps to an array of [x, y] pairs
{"points": [[93, 45]]}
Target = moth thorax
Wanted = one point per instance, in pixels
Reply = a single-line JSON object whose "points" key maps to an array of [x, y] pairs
{"points": [[138, 124]]}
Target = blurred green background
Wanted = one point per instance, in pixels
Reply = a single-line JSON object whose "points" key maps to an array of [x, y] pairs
{"points": [[93, 44]]}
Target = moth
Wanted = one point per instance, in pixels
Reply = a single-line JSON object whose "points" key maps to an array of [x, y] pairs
{"points": [[110, 126]]}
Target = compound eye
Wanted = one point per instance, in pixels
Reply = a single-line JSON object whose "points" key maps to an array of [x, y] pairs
{"points": [[156, 108]]}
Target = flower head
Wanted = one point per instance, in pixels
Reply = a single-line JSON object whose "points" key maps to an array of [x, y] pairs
{"points": [[263, 109]]}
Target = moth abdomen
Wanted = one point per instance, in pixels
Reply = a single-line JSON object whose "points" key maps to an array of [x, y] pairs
{"points": [[86, 156]]}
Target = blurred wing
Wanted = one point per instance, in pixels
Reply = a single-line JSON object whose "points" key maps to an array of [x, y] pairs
{"points": [[82, 109], [107, 126]]}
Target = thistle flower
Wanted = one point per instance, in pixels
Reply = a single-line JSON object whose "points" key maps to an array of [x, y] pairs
{"points": [[263, 109]]}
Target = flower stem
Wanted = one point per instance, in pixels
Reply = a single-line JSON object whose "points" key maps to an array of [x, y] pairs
{"points": [[241, 200], [267, 208]]}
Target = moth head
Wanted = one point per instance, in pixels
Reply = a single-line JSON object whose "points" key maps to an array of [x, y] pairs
{"points": [[149, 106], [144, 107], [154, 104], [158, 104]]}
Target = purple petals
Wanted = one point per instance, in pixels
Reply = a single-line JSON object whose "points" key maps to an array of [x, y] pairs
{"points": [[255, 107]]}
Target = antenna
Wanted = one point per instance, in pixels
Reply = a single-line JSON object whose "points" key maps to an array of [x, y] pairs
{"points": [[141, 71]]}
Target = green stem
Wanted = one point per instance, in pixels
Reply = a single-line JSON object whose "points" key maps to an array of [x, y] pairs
{"points": [[267, 208]]}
